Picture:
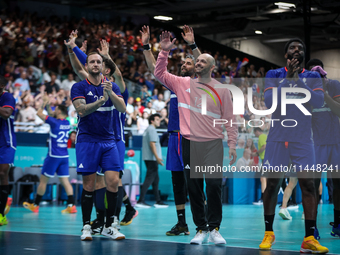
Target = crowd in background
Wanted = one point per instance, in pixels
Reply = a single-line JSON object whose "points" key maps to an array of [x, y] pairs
{"points": [[34, 61]]}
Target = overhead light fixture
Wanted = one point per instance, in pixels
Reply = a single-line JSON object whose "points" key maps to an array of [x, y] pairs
{"points": [[283, 5], [166, 18], [258, 32]]}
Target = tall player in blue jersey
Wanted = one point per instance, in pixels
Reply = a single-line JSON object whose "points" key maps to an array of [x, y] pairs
{"points": [[78, 58], [292, 143], [326, 134], [7, 144], [174, 161], [57, 157], [94, 100]]}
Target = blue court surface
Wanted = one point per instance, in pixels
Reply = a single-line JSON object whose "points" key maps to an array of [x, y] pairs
{"points": [[50, 232]]}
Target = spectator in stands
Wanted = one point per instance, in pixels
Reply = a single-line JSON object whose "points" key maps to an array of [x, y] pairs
{"points": [[28, 113], [52, 86], [67, 83], [142, 123], [159, 103], [245, 161], [72, 140], [129, 107], [149, 109], [164, 119], [139, 108], [240, 143], [22, 82]]}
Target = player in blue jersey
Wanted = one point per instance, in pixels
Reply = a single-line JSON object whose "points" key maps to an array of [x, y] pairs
{"points": [[174, 161], [94, 100], [292, 143], [57, 157], [7, 144], [326, 134], [77, 57]]}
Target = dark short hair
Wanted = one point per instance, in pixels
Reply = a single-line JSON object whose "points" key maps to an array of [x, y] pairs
{"points": [[314, 62], [257, 129], [63, 109], [295, 40], [153, 116], [109, 64], [91, 53], [3, 81], [191, 57]]}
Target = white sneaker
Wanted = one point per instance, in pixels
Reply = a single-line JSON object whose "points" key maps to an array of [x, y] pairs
{"points": [[216, 237], [199, 237], [86, 236], [113, 233], [161, 205], [285, 214], [116, 223]]}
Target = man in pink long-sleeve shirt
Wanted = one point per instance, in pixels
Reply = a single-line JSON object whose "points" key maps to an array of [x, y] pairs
{"points": [[202, 140]]}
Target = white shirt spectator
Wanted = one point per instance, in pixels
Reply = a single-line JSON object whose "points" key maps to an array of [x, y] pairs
{"points": [[159, 104], [67, 84], [24, 85]]}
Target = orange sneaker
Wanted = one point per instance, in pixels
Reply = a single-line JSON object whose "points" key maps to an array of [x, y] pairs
{"points": [[70, 209], [8, 205], [268, 240], [311, 245], [31, 207]]}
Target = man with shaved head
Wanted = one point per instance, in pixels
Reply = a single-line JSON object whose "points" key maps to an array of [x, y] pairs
{"points": [[202, 146]]}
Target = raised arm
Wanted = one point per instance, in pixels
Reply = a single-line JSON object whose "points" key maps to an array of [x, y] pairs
{"points": [[189, 37], [171, 81], [104, 52], [150, 59], [78, 68], [40, 114]]}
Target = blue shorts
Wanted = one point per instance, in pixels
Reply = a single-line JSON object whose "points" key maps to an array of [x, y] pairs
{"points": [[327, 155], [121, 151], [174, 161], [7, 155], [278, 154], [55, 165], [91, 156]]}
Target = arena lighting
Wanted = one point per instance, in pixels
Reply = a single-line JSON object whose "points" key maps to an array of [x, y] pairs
{"points": [[284, 5], [258, 32], [163, 18]]}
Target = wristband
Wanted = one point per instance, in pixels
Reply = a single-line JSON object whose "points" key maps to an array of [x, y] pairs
{"points": [[193, 46], [146, 47]]}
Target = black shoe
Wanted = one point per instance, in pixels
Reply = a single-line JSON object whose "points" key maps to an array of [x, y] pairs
{"points": [[129, 215], [178, 229], [96, 227]]}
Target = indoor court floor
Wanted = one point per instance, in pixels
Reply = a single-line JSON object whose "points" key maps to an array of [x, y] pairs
{"points": [[50, 232]]}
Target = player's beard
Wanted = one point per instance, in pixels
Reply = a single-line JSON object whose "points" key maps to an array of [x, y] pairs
{"points": [[186, 73], [300, 58], [94, 73]]}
